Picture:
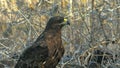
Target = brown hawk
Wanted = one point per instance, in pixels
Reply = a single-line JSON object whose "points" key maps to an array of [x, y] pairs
{"points": [[47, 50]]}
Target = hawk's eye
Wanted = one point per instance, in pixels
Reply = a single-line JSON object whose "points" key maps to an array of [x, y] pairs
{"points": [[60, 20]]}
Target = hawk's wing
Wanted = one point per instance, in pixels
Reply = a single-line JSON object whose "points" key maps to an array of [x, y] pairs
{"points": [[32, 56]]}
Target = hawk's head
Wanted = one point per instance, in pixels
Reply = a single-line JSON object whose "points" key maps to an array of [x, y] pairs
{"points": [[57, 22]]}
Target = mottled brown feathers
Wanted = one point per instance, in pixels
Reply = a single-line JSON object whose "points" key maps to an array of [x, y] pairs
{"points": [[47, 50]]}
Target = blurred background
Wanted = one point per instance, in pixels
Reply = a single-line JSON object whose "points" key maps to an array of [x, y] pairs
{"points": [[91, 41]]}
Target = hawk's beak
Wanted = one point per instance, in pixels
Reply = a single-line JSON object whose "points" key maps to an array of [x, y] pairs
{"points": [[66, 21]]}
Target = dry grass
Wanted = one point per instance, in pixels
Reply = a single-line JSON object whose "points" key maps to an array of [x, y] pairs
{"points": [[95, 25]]}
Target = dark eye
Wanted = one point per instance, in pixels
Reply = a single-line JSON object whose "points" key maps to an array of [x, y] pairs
{"points": [[61, 20]]}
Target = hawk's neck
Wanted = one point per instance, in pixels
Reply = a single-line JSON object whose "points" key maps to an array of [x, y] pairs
{"points": [[53, 34]]}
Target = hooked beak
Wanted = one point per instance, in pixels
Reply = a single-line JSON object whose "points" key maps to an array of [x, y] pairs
{"points": [[66, 21]]}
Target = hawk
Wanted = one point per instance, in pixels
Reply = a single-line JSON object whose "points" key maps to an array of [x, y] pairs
{"points": [[47, 50]]}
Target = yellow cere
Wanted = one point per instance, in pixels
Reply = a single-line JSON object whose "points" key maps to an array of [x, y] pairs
{"points": [[65, 20]]}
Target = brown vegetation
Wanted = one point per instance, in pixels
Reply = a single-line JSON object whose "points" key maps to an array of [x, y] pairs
{"points": [[95, 25]]}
